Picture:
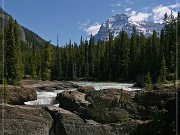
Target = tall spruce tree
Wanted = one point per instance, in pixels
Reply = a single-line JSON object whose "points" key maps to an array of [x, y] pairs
{"points": [[1, 57], [155, 52], [124, 54], [148, 82], [178, 47], [57, 65], [13, 55], [86, 67], [142, 58], [33, 62], [91, 56], [163, 70], [133, 54], [46, 62], [170, 41]]}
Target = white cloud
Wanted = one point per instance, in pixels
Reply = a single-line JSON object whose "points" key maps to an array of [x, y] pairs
{"points": [[140, 16], [129, 1], [145, 8], [132, 13], [123, 4], [93, 29], [159, 11], [174, 5], [128, 9], [83, 25], [116, 5], [89, 29], [112, 11]]}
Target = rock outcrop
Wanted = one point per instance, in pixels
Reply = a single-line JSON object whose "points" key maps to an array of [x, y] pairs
{"points": [[18, 120], [73, 101], [48, 85], [68, 123], [158, 106], [105, 106], [117, 112], [18, 95], [153, 103], [111, 105], [86, 89]]}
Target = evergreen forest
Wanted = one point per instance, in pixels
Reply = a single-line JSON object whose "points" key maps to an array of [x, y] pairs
{"points": [[121, 58]]}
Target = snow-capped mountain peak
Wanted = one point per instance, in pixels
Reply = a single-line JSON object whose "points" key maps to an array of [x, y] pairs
{"points": [[116, 23]]}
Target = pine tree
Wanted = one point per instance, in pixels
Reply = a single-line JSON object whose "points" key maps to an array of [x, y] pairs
{"points": [[163, 70], [178, 47], [170, 41], [142, 58], [46, 62], [148, 83], [1, 57], [86, 67], [91, 58], [19, 64], [14, 67], [133, 54], [98, 60], [81, 60], [124, 54], [57, 65], [109, 59], [155, 52], [70, 61], [33, 62]]}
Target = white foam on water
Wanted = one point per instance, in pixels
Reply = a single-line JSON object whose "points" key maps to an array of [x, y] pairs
{"points": [[44, 98]]}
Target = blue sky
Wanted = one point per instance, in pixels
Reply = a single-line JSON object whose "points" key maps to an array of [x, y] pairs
{"points": [[72, 18]]}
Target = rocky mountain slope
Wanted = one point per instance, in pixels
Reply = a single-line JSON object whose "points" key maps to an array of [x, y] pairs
{"points": [[116, 23], [24, 33]]}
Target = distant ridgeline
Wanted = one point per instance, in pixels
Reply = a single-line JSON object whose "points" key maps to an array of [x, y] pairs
{"points": [[121, 58]]}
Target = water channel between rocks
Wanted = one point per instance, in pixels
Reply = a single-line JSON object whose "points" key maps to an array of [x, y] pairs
{"points": [[48, 97]]}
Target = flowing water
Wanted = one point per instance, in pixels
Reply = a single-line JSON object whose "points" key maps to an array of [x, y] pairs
{"points": [[45, 98], [48, 97], [106, 85]]}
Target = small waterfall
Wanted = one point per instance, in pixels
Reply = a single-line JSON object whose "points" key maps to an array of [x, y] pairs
{"points": [[45, 98]]}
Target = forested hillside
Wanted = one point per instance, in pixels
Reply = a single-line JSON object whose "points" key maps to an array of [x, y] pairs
{"points": [[117, 59]]}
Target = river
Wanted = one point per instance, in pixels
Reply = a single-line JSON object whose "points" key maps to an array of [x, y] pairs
{"points": [[48, 98], [106, 85]]}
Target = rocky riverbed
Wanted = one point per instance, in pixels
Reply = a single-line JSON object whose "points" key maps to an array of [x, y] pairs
{"points": [[86, 111]]}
